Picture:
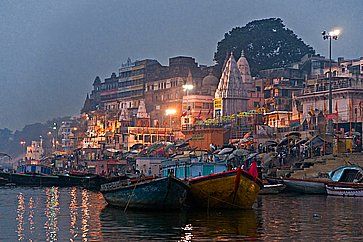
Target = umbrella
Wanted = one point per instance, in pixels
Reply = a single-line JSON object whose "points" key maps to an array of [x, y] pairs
{"points": [[292, 135], [347, 134], [270, 143], [302, 141], [225, 151], [251, 156], [137, 146], [182, 145], [240, 152]]}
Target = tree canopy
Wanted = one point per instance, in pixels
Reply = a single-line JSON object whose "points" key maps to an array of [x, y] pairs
{"points": [[266, 43]]}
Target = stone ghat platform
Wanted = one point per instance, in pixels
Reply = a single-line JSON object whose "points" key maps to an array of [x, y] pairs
{"points": [[321, 165]]}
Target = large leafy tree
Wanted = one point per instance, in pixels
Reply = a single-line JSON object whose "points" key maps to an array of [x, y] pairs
{"points": [[266, 43]]}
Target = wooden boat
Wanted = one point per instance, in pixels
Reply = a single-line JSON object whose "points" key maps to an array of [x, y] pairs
{"points": [[343, 174], [32, 179], [235, 189], [347, 189], [32, 175], [167, 193], [272, 189], [307, 186]]}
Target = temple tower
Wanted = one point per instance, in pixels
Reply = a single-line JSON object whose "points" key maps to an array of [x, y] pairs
{"points": [[230, 96]]}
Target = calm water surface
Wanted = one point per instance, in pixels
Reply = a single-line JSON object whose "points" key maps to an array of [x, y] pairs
{"points": [[72, 214]]}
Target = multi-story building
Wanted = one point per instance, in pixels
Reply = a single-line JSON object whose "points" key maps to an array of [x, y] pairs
{"points": [[312, 106], [168, 91], [35, 151], [124, 90], [280, 85]]}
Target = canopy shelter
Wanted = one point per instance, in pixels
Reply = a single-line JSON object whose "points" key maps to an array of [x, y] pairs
{"points": [[270, 143], [316, 141], [238, 153], [302, 141], [225, 151], [293, 135]]}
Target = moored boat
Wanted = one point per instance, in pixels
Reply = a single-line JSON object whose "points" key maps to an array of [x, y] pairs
{"points": [[343, 174], [167, 193], [307, 186], [32, 175], [272, 189], [235, 189], [347, 189]]}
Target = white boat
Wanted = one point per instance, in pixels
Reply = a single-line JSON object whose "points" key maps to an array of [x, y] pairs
{"points": [[345, 189], [272, 189]]}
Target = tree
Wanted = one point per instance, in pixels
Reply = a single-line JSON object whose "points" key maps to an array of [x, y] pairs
{"points": [[266, 43]]}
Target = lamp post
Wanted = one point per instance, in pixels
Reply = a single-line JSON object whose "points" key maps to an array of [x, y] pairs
{"points": [[170, 112], [329, 36], [23, 151], [187, 88]]}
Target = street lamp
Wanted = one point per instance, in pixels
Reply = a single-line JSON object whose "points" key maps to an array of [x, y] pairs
{"points": [[170, 112], [22, 143], [329, 36]]}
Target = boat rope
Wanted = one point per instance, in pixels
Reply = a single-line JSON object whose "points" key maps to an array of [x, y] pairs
{"points": [[132, 194]]}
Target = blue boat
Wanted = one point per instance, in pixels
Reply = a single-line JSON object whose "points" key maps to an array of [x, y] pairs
{"points": [[186, 169], [167, 193]]}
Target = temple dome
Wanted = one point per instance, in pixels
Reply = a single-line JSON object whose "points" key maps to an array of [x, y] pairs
{"points": [[244, 68], [210, 80]]}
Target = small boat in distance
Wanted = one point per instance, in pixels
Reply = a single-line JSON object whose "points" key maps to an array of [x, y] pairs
{"points": [[272, 189], [347, 189], [307, 186], [343, 174], [32, 175], [167, 193]]}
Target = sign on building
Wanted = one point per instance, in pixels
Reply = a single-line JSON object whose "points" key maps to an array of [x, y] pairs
{"points": [[217, 107]]}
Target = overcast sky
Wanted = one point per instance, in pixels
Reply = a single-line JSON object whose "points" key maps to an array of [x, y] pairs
{"points": [[51, 51]]}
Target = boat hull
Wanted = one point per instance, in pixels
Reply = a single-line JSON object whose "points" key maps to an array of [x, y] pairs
{"points": [[232, 189], [305, 186], [272, 189], [33, 180], [345, 189], [166, 193]]}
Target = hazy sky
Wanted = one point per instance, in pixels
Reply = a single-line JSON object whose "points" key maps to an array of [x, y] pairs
{"points": [[51, 51]]}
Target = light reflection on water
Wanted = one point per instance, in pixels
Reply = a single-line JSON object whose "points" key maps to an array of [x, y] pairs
{"points": [[49, 214]]}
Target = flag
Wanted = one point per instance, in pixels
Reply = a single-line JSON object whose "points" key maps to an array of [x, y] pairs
{"points": [[184, 113], [253, 169]]}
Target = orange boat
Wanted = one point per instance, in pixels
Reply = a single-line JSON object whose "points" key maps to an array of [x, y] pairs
{"points": [[235, 189]]}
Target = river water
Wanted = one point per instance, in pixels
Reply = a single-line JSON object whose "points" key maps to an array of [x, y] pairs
{"points": [[73, 214]]}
